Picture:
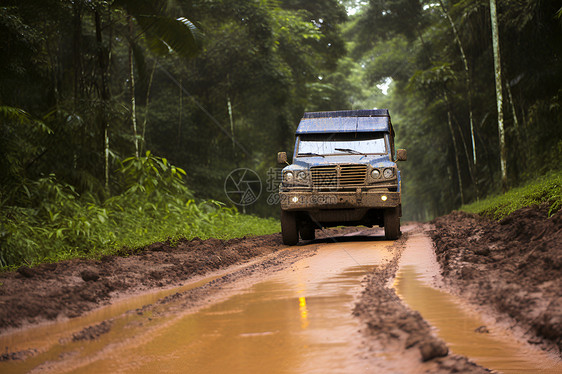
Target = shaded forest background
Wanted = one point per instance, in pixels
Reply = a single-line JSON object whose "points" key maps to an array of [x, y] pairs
{"points": [[121, 119]]}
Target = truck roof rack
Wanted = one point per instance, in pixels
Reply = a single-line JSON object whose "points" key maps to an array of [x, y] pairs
{"points": [[348, 113], [364, 120]]}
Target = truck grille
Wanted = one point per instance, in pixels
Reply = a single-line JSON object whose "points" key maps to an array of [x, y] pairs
{"points": [[334, 176]]}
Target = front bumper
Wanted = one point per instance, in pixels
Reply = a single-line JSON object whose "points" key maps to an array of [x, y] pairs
{"points": [[304, 200]]}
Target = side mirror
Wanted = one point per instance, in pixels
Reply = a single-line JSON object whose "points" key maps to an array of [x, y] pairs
{"points": [[282, 157], [401, 155]]}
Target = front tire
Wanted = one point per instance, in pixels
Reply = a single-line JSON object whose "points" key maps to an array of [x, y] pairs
{"points": [[392, 223], [289, 230], [308, 233]]}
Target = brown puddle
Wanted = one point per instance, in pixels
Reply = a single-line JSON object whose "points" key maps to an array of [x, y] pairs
{"points": [[298, 320], [48, 336], [44, 336], [49, 333], [497, 350]]}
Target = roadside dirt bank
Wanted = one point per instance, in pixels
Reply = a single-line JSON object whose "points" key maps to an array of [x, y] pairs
{"points": [[68, 289], [512, 268], [396, 330]]}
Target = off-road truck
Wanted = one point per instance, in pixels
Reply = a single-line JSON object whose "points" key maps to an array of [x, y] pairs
{"points": [[343, 173]]}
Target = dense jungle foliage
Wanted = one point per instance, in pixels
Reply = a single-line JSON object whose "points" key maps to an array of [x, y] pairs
{"points": [[121, 119]]}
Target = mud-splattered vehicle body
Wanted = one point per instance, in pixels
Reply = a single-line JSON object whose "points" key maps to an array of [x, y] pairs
{"points": [[343, 173]]}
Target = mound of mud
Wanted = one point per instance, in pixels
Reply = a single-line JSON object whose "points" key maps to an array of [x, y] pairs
{"points": [[514, 266]]}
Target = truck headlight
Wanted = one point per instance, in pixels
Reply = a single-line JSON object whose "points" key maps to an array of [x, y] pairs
{"points": [[375, 174], [301, 176], [388, 173], [288, 177]]}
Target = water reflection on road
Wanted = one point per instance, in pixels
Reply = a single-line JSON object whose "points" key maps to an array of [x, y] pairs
{"points": [[298, 320], [496, 350]]}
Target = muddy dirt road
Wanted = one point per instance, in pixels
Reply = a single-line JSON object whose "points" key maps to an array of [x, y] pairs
{"points": [[349, 302]]}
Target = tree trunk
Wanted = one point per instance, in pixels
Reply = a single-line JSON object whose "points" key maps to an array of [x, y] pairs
{"points": [[467, 78], [78, 70], [449, 122], [468, 160], [132, 88], [145, 121], [77, 51], [180, 115], [229, 105], [499, 96], [103, 61], [522, 136]]}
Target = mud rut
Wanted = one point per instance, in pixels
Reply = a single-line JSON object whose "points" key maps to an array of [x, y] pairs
{"points": [[353, 303]]}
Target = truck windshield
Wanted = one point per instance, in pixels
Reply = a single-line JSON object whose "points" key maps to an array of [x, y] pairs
{"points": [[342, 143]]}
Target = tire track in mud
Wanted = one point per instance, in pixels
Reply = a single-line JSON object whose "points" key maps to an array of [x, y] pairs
{"points": [[393, 330], [212, 290], [140, 324]]}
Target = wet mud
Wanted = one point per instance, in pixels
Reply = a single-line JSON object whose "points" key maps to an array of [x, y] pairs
{"points": [[350, 303], [513, 268], [465, 330], [68, 289], [396, 331], [297, 319], [123, 321]]}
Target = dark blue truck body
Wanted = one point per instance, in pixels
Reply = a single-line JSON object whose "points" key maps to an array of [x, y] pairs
{"points": [[343, 173]]}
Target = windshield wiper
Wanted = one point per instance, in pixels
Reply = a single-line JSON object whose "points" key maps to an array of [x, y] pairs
{"points": [[348, 150], [309, 154]]}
